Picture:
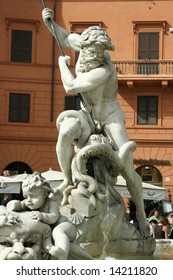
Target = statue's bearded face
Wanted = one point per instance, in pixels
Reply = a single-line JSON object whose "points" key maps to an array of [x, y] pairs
{"points": [[92, 57]]}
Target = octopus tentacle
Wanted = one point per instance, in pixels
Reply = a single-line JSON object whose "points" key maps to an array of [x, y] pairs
{"points": [[84, 180], [129, 146], [102, 151], [66, 193]]}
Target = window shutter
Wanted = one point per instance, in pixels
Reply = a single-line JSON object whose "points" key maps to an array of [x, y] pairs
{"points": [[143, 46], [72, 102], [154, 45], [21, 47], [148, 49], [19, 107], [147, 110], [148, 45]]}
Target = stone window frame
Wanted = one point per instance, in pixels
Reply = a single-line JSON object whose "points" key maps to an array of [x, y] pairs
{"points": [[25, 25], [149, 26]]}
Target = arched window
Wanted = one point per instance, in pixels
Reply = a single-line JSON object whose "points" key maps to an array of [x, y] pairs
{"points": [[150, 174], [18, 167]]}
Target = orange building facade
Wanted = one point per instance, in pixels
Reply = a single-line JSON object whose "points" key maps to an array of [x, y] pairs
{"points": [[32, 95]]}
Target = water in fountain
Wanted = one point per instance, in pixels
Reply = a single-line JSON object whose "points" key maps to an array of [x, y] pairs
{"points": [[163, 251]]}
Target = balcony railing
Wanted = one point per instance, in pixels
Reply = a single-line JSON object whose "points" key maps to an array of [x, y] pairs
{"points": [[144, 67]]}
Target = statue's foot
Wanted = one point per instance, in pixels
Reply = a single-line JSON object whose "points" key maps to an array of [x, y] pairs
{"points": [[64, 188], [66, 192], [63, 185], [57, 253], [144, 228]]}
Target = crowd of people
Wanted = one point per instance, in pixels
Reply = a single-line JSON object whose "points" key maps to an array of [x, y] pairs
{"points": [[161, 227], [4, 199]]}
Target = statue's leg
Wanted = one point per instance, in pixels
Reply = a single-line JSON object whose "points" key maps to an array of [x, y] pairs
{"points": [[63, 234], [70, 132], [134, 185], [133, 180]]}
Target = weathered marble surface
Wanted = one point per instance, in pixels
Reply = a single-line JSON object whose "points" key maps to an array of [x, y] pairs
{"points": [[84, 217], [100, 123], [39, 228]]}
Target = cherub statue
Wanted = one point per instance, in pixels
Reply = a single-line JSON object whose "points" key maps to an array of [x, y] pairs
{"points": [[43, 206]]}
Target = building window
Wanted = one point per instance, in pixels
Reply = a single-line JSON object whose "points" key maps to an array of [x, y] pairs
{"points": [[22, 35], [72, 102], [19, 107], [150, 174], [21, 46], [147, 110], [149, 45], [17, 167], [148, 50]]}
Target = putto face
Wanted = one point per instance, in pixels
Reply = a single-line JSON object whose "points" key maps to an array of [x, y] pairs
{"points": [[35, 198]]}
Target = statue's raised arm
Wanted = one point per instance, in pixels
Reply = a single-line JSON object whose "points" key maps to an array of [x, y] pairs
{"points": [[65, 38]]}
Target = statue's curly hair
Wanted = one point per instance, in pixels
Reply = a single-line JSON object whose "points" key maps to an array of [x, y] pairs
{"points": [[35, 180], [96, 35]]}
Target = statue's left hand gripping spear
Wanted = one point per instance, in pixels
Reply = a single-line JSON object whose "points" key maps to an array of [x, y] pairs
{"points": [[54, 31]]}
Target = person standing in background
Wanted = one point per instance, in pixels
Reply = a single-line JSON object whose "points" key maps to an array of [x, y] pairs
{"points": [[160, 230], [170, 225], [5, 199]]}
